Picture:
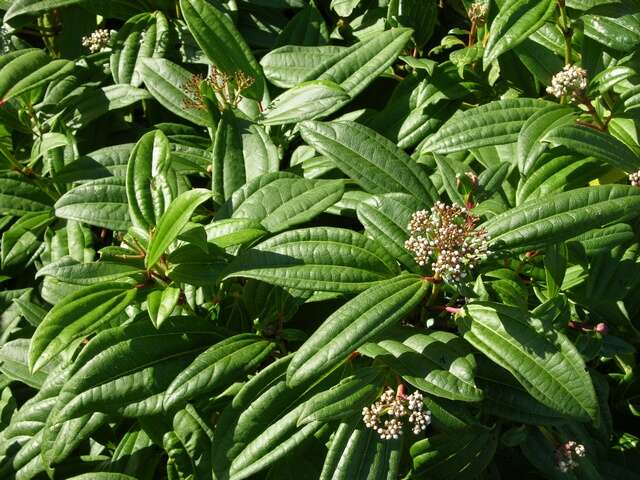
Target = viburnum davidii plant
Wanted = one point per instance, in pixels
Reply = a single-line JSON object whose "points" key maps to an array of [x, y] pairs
{"points": [[319, 239]]}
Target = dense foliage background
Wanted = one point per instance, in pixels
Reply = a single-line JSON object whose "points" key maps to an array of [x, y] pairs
{"points": [[314, 239]]}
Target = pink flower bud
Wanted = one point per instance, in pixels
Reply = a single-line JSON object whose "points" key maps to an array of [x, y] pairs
{"points": [[602, 328]]}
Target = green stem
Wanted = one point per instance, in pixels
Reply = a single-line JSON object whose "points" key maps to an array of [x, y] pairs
{"points": [[567, 32]]}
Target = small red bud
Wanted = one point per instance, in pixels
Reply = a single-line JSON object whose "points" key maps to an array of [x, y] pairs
{"points": [[602, 328]]}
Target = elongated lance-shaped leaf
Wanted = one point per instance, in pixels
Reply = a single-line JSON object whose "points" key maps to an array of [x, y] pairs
{"points": [[344, 399], [71, 271], [151, 182], [290, 65], [461, 454], [282, 202], [495, 123], [440, 364], [362, 63], [386, 218], [142, 36], [101, 202], [506, 398], [228, 164], [515, 22], [373, 161], [126, 369], [166, 82], [558, 173], [20, 67], [353, 324], [33, 7], [40, 77], [218, 367], [19, 196], [306, 101], [322, 258], [530, 146], [161, 304], [14, 363], [173, 221], [562, 216], [593, 143], [222, 43], [78, 315], [545, 363], [357, 452]]}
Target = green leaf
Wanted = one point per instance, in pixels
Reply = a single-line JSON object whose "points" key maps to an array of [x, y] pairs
{"points": [[172, 221], [562, 216], [142, 36], [21, 241], [603, 240], [307, 27], [386, 219], [14, 364], [617, 25], [165, 81], [161, 304], [495, 123], [461, 454], [358, 452], [322, 258], [345, 399], [222, 43], [34, 7], [556, 173], [217, 368], [80, 314], [19, 68], [290, 65], [449, 177], [545, 363], [505, 398], [234, 231], [515, 22], [92, 103], [530, 146], [126, 369], [376, 163], [440, 364], [18, 196], [151, 182], [69, 270], [263, 404], [353, 324], [40, 77], [228, 164], [284, 202], [101, 202], [590, 142], [306, 101], [102, 476]]}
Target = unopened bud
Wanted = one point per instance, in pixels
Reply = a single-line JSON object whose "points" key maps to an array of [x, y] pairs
{"points": [[602, 328]]}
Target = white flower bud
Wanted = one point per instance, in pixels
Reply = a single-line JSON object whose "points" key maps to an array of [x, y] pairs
{"points": [[98, 40], [570, 81]]}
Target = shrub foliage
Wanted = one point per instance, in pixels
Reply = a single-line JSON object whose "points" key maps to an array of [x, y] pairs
{"points": [[314, 239]]}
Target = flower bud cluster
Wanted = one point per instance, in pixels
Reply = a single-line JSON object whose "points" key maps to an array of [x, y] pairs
{"points": [[570, 81], [634, 178], [478, 12], [446, 237], [567, 454], [385, 416], [226, 87], [98, 40]]}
